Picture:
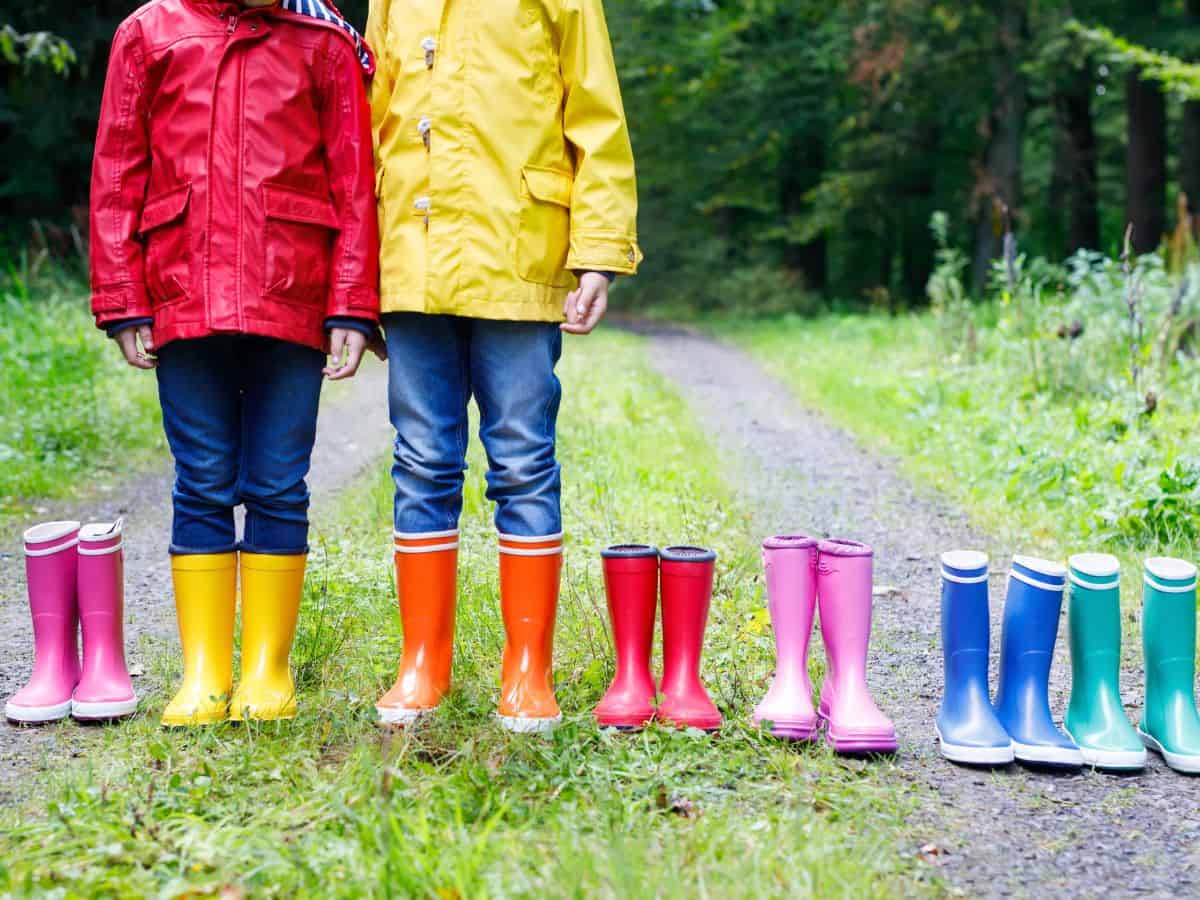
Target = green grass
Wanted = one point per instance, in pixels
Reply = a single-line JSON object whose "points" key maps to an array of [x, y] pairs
{"points": [[326, 805], [1054, 463], [74, 415]]}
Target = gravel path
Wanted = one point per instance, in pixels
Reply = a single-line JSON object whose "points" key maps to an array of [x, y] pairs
{"points": [[1002, 833], [353, 432]]}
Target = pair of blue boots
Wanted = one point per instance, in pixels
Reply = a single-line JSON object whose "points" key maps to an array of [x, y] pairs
{"points": [[972, 729]]}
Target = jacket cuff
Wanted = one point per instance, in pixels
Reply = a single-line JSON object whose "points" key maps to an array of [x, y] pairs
{"points": [[114, 303], [599, 251], [364, 327], [355, 301], [116, 327]]}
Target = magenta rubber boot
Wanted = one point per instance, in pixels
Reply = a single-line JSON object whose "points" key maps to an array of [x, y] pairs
{"points": [[50, 571], [853, 723], [790, 562], [104, 691]]}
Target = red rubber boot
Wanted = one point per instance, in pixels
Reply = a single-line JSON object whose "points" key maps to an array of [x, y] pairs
{"points": [[687, 580], [631, 582]]}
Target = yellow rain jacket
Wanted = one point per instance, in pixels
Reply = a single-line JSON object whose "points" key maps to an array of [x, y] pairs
{"points": [[504, 162]]}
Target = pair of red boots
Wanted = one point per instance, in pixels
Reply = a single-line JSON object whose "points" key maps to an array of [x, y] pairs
{"points": [[632, 575]]}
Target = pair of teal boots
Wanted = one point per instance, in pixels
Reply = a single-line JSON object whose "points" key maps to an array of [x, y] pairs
{"points": [[1096, 720]]}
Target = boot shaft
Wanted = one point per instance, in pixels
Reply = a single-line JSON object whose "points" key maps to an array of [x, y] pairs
{"points": [[687, 581], [427, 590], [101, 581], [1032, 609], [790, 567], [966, 635], [1094, 626], [631, 587], [530, 571], [845, 571], [1169, 625], [52, 576]]}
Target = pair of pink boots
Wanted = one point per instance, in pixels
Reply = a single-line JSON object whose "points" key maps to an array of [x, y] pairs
{"points": [[76, 579], [836, 575]]}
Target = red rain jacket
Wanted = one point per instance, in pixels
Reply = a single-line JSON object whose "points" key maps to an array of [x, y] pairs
{"points": [[233, 188]]}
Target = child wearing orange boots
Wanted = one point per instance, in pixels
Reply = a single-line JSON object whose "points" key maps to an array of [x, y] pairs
{"points": [[507, 204]]}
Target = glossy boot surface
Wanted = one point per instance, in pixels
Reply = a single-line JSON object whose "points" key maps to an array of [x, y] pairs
{"points": [[51, 572], [853, 723], [530, 569], [686, 584], [790, 564], [631, 584], [105, 690], [1170, 722], [427, 591], [1031, 613], [271, 590], [1096, 718], [967, 727], [205, 598]]}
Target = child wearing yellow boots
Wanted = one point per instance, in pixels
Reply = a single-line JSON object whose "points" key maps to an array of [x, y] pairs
{"points": [[234, 242]]}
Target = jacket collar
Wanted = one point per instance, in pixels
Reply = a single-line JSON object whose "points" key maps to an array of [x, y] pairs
{"points": [[228, 7]]}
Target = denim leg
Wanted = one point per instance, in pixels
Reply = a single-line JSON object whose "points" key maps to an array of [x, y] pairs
{"points": [[512, 377], [428, 391], [201, 405], [281, 384]]}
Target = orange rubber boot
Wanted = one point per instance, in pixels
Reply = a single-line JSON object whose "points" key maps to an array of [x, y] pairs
{"points": [[427, 587], [529, 573]]}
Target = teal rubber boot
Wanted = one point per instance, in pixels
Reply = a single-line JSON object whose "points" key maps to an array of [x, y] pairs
{"points": [[1170, 721], [1096, 718]]}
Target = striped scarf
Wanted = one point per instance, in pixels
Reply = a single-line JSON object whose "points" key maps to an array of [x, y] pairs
{"points": [[327, 12]]}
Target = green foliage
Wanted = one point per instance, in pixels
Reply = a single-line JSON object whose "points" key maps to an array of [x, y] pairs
{"points": [[73, 412], [1064, 427], [328, 806], [38, 48], [1180, 78]]}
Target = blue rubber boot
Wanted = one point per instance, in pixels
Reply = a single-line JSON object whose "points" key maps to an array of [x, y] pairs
{"points": [[967, 727], [1031, 613]]}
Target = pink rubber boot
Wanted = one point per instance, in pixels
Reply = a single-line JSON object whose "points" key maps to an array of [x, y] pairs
{"points": [[790, 562], [50, 571], [687, 583], [104, 690], [853, 723]]}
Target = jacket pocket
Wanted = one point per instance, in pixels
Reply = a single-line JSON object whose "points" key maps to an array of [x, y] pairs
{"points": [[544, 235], [164, 232], [298, 243]]}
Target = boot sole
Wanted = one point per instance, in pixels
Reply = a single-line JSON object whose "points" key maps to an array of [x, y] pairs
{"points": [[1110, 760], [794, 730], [1181, 762], [401, 716], [520, 725], [975, 756], [36, 715], [1055, 757], [86, 711]]}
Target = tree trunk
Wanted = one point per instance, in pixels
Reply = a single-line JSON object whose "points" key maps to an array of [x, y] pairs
{"points": [[1000, 180], [1073, 107], [1189, 156], [802, 169], [1146, 162]]}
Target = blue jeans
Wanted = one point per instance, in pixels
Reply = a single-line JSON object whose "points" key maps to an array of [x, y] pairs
{"points": [[240, 413], [436, 364]]}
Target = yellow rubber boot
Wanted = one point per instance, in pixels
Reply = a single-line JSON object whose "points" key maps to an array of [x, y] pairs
{"points": [[205, 597], [271, 589]]}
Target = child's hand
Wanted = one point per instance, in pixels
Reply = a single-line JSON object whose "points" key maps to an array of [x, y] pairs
{"points": [[586, 306], [346, 348], [140, 358]]}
